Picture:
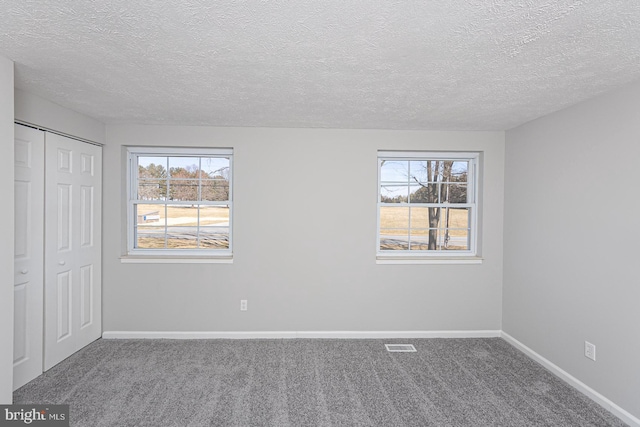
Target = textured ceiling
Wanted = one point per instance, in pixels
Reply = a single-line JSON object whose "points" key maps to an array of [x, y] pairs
{"points": [[450, 64]]}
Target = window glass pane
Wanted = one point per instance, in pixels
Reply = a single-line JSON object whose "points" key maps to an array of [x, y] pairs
{"points": [[419, 242], [214, 190], [394, 171], [214, 215], [454, 193], [459, 171], [152, 189], [182, 215], [435, 170], [419, 228], [419, 218], [215, 167], [418, 172], [152, 167], [425, 218], [152, 215], [182, 237], [424, 194], [457, 218], [183, 167], [457, 240], [183, 182], [456, 232], [425, 232], [150, 226], [214, 237], [394, 194], [394, 217], [183, 189], [215, 178], [393, 240], [435, 240], [149, 237]]}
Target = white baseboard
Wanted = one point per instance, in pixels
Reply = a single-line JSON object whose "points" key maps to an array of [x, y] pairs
{"points": [[574, 382], [189, 335]]}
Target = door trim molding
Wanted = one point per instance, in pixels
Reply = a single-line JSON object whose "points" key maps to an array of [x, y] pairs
{"points": [[66, 135]]}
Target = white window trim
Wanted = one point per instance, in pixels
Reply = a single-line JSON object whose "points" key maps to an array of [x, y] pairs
{"points": [[139, 259], [174, 255], [434, 257]]}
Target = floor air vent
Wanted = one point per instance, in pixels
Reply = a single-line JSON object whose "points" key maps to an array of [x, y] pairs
{"points": [[404, 348]]}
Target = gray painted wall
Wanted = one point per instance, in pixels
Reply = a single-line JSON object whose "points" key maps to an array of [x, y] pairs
{"points": [[6, 231], [571, 241], [304, 242]]}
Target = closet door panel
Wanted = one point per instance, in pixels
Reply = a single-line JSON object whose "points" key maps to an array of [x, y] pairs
{"points": [[28, 254], [72, 247]]}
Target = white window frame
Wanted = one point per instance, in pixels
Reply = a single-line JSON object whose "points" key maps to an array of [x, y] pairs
{"points": [[440, 256], [136, 255]]}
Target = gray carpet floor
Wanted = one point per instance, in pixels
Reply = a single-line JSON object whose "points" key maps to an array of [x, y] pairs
{"points": [[447, 382]]}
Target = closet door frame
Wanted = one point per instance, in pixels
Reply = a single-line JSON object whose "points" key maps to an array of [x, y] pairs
{"points": [[57, 249]]}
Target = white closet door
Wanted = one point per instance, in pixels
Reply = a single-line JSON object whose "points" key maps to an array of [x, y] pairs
{"points": [[28, 254], [73, 273]]}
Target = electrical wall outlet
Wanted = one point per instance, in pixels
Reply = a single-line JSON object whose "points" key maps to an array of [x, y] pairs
{"points": [[243, 305], [590, 350]]}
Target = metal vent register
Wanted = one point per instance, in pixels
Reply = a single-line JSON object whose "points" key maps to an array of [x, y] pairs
{"points": [[403, 348]]}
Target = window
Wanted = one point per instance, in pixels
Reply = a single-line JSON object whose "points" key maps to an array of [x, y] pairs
{"points": [[427, 204], [180, 201]]}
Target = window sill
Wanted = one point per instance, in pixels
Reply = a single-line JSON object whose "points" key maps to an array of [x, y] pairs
{"points": [[139, 259], [381, 259]]}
